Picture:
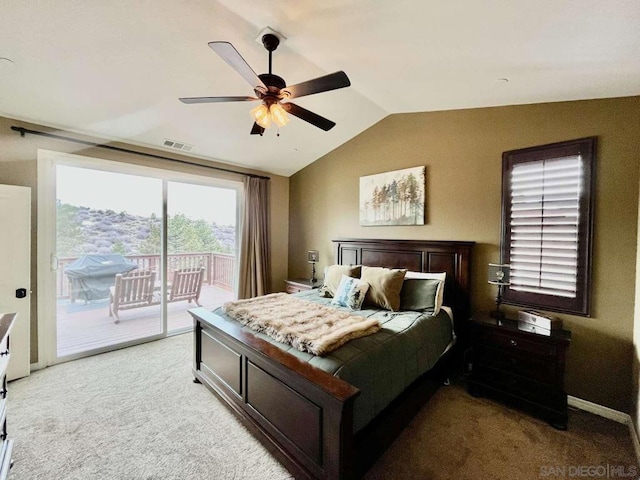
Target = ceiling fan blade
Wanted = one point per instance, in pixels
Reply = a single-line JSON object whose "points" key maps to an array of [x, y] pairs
{"points": [[216, 99], [257, 129], [333, 81], [309, 116], [230, 55]]}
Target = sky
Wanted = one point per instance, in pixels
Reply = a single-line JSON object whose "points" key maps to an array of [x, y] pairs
{"points": [[142, 196]]}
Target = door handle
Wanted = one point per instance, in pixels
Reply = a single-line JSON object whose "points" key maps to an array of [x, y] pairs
{"points": [[54, 263]]}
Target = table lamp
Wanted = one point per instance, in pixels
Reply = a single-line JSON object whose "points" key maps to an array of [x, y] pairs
{"points": [[312, 258], [499, 274]]}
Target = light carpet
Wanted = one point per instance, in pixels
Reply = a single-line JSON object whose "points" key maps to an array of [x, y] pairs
{"points": [[135, 414], [130, 414]]}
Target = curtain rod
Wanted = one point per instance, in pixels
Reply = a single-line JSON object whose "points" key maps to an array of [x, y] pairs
{"points": [[23, 131]]}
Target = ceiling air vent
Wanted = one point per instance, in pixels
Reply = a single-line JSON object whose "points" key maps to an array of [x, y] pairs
{"points": [[185, 147]]}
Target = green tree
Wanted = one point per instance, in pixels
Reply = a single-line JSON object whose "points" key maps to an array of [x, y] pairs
{"points": [[69, 233], [118, 247], [151, 244], [393, 198], [413, 195], [384, 201], [375, 201], [187, 235], [402, 195]]}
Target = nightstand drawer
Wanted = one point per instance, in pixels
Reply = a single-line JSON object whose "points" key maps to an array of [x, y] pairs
{"points": [[6, 444], [6, 450], [515, 342], [3, 419], [4, 346], [294, 289], [518, 362], [517, 386], [295, 285]]}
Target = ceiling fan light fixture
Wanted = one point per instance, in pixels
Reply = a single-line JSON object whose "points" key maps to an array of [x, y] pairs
{"points": [[261, 115], [265, 114], [278, 115]]}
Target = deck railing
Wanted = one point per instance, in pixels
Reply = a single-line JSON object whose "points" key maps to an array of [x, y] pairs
{"points": [[219, 268]]}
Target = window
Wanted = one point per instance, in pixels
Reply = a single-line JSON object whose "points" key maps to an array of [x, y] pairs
{"points": [[547, 224]]}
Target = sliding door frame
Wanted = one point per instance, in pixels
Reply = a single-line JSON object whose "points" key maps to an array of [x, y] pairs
{"points": [[46, 240]]}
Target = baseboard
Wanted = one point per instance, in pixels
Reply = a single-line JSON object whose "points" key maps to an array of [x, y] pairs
{"points": [[35, 367], [596, 409], [634, 439], [611, 414]]}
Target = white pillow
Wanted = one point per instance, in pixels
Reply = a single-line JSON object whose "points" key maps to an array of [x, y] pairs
{"points": [[350, 293], [435, 276]]}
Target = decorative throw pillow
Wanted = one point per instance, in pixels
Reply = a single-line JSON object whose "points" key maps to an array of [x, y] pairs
{"points": [[350, 293], [420, 294], [333, 275], [439, 294], [384, 286]]}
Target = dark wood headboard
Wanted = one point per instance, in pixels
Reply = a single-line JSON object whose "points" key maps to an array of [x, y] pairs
{"points": [[451, 257]]}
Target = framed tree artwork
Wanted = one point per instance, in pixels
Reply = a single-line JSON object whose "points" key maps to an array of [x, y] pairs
{"points": [[393, 198]]}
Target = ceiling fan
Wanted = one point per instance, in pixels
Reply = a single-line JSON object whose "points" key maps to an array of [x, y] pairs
{"points": [[271, 89]]}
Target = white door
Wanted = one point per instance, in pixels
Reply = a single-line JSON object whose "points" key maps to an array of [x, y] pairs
{"points": [[15, 272]]}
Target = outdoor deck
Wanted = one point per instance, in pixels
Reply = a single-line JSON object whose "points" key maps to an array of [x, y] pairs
{"points": [[83, 327]]}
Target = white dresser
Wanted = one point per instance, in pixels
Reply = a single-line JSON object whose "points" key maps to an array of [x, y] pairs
{"points": [[6, 322]]}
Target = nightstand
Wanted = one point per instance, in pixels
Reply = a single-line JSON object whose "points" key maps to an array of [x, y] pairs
{"points": [[295, 285], [522, 367]]}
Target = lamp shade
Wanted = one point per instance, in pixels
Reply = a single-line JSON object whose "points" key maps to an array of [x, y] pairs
{"points": [[278, 115], [499, 274], [265, 114], [261, 115]]}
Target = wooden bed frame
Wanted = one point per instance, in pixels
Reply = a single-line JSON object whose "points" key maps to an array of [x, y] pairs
{"points": [[303, 415]]}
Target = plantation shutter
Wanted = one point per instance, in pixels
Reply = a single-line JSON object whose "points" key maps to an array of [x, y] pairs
{"points": [[545, 213], [547, 219]]}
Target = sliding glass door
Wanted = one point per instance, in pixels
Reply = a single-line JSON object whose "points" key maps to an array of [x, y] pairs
{"points": [[129, 250], [106, 224], [201, 248]]}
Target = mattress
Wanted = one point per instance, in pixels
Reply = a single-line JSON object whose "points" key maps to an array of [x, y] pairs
{"points": [[381, 365]]}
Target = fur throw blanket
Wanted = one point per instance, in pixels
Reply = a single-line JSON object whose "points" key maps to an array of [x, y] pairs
{"points": [[307, 326]]}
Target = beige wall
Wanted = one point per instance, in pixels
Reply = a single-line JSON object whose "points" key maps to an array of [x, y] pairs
{"points": [[462, 151], [636, 341], [18, 166]]}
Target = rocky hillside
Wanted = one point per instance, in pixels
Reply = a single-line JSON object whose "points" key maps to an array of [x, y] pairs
{"points": [[82, 230]]}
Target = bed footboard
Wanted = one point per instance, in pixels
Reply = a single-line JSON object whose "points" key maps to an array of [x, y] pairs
{"points": [[303, 415]]}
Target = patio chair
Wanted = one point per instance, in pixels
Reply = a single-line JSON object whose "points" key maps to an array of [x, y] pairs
{"points": [[186, 285], [132, 290]]}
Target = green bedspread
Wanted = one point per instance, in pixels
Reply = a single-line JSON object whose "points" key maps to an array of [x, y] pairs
{"points": [[381, 365]]}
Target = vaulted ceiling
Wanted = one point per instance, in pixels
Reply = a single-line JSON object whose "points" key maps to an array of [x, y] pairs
{"points": [[115, 69]]}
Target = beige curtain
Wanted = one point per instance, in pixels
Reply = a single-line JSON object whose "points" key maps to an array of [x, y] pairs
{"points": [[255, 265]]}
